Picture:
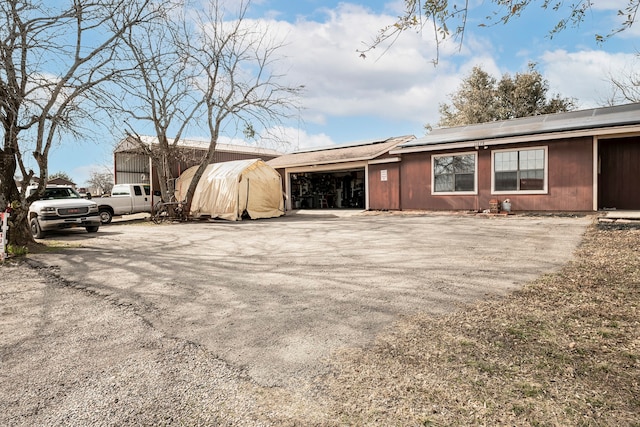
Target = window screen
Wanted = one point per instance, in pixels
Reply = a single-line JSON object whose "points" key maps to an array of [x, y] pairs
{"points": [[454, 173], [519, 170]]}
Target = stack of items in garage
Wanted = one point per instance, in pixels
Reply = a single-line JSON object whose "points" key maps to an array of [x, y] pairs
{"points": [[343, 189]]}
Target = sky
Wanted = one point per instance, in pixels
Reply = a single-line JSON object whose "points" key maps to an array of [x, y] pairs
{"points": [[396, 91]]}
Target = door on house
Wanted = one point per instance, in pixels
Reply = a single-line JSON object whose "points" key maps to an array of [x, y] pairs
{"points": [[384, 186], [619, 173]]}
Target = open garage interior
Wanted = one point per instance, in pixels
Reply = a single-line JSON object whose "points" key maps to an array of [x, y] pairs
{"points": [[344, 189]]}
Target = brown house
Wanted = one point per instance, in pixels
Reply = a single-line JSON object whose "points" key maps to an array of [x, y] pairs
{"points": [[133, 165], [578, 161]]}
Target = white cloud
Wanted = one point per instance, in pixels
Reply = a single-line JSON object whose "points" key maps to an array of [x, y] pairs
{"points": [[400, 83], [283, 138], [584, 75], [614, 5], [288, 138], [299, 139]]}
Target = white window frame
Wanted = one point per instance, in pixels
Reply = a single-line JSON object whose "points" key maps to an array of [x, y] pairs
{"points": [[454, 193], [545, 186]]}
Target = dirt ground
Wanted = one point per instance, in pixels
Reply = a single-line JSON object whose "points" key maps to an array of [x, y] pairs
{"points": [[230, 323]]}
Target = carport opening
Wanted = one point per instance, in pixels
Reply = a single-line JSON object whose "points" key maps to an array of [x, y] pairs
{"points": [[328, 190]]}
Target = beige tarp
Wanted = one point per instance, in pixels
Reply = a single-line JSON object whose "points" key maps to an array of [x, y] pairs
{"points": [[228, 189]]}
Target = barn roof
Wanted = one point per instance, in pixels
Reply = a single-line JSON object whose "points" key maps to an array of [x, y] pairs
{"points": [[559, 124], [128, 144], [351, 152]]}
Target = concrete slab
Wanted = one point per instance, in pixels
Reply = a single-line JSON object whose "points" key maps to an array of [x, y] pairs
{"points": [[631, 215], [619, 218], [335, 213]]}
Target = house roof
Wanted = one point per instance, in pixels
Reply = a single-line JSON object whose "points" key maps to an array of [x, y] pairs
{"points": [[351, 152], [559, 124], [129, 144], [60, 181]]}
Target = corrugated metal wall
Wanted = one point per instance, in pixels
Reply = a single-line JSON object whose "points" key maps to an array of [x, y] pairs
{"points": [[131, 168]]}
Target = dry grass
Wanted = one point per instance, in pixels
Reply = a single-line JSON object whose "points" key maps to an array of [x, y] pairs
{"points": [[564, 351]]}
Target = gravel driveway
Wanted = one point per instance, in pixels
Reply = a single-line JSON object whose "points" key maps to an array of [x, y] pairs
{"points": [[224, 323]]}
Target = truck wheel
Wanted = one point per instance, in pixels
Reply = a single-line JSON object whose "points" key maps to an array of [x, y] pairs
{"points": [[92, 229], [105, 216], [36, 231]]}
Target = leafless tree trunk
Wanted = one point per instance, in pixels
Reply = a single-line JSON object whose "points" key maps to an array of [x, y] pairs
{"points": [[239, 85], [161, 90], [54, 57]]}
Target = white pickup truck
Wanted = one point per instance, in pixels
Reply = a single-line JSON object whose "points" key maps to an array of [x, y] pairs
{"points": [[125, 199], [61, 207]]}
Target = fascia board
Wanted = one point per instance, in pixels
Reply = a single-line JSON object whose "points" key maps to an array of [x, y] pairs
{"points": [[601, 133]]}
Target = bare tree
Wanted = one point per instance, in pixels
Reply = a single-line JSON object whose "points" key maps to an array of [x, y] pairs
{"points": [[101, 181], [161, 91], [54, 58], [448, 18], [626, 88], [239, 86]]}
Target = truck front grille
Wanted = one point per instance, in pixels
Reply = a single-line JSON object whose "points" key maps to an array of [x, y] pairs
{"points": [[73, 211]]}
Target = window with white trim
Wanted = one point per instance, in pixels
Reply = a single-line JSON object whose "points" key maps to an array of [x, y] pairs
{"points": [[520, 170], [454, 173]]}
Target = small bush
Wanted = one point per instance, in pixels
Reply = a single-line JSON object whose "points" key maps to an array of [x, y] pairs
{"points": [[15, 250]]}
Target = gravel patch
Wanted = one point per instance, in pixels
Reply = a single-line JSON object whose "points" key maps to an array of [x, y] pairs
{"points": [[217, 323]]}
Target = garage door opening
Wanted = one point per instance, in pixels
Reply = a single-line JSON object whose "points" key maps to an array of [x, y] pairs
{"points": [[328, 190]]}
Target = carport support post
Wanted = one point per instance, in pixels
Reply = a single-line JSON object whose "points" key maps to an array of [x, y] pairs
{"points": [[287, 190], [366, 187]]}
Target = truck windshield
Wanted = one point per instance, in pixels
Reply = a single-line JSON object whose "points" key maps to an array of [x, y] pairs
{"points": [[59, 193]]}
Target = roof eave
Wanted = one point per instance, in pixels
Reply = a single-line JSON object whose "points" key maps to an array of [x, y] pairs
{"points": [[327, 162], [401, 140]]}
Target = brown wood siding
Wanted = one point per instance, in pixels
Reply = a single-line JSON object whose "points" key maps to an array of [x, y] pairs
{"points": [[384, 194], [415, 177], [427, 201], [618, 178], [570, 179], [570, 175]]}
